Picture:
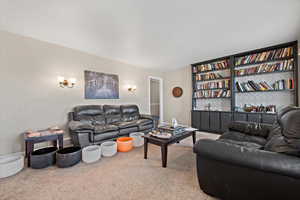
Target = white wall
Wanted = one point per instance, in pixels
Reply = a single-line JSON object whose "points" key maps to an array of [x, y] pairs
{"points": [[179, 108], [30, 96]]}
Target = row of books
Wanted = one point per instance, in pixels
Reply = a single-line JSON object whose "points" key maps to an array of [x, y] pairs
{"points": [[211, 66], [208, 76], [212, 93], [280, 66], [264, 56], [264, 86], [288, 84], [213, 85]]}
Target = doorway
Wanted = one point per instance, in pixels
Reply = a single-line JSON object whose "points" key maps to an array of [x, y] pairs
{"points": [[156, 97]]}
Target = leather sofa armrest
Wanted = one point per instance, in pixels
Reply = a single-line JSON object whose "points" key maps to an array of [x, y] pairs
{"points": [[80, 125], [257, 159], [154, 118], [251, 128]]}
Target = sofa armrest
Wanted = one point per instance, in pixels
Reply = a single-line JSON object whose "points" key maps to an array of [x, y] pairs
{"points": [[249, 158], [154, 118], [251, 128], [80, 125]]}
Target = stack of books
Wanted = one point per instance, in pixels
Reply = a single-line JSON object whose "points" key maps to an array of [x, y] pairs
{"points": [[286, 65], [211, 66], [264, 56], [212, 94], [208, 76], [251, 86], [225, 84]]}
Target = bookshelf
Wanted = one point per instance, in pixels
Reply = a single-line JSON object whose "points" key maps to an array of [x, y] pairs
{"points": [[262, 78]]}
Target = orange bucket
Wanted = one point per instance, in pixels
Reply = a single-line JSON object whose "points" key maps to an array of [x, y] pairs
{"points": [[125, 144]]}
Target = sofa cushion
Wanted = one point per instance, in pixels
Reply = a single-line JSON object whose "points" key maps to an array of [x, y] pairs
{"points": [[105, 136], [127, 131], [89, 113], [129, 124], [251, 128], [278, 144], [251, 145], [130, 112], [237, 136], [112, 113], [105, 128], [80, 125], [145, 127], [143, 122]]}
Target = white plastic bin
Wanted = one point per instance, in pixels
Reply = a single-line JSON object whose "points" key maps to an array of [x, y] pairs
{"points": [[11, 164], [109, 148], [91, 154], [138, 139]]}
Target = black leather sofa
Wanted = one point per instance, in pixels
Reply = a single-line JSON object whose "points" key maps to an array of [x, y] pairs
{"points": [[253, 161], [94, 124]]}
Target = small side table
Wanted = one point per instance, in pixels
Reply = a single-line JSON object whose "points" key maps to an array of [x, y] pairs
{"points": [[55, 136]]}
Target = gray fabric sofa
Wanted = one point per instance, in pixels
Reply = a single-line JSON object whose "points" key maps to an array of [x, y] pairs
{"points": [[94, 124]]}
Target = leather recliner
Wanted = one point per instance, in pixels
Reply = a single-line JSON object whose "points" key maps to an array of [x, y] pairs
{"points": [[253, 161], [93, 124]]}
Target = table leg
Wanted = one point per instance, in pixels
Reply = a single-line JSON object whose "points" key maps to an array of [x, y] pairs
{"points": [[145, 148], [55, 143], [60, 141], [194, 137], [29, 150], [164, 155]]}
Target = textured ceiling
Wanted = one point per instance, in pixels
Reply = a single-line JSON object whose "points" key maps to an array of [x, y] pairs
{"points": [[158, 34]]}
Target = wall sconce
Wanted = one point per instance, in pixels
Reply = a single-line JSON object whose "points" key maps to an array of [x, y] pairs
{"points": [[132, 88], [64, 83]]}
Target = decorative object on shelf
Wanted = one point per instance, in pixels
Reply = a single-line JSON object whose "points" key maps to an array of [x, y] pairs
{"points": [[91, 153], [109, 148], [43, 158], [138, 139], [125, 144], [101, 85], [68, 157], [174, 123], [177, 91], [261, 108], [11, 164], [66, 83], [131, 88]]}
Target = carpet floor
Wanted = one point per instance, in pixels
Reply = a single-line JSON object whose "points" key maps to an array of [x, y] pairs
{"points": [[126, 176]]}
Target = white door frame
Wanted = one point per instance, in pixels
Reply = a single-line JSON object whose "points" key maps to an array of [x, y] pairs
{"points": [[161, 99]]}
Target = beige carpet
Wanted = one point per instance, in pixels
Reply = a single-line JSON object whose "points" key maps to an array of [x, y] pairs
{"points": [[126, 176]]}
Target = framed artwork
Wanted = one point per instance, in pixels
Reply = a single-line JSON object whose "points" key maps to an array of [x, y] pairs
{"points": [[101, 86]]}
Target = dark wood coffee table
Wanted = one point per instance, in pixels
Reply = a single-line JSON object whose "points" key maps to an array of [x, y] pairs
{"points": [[164, 143]]}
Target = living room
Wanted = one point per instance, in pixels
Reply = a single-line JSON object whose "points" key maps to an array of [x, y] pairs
{"points": [[149, 99]]}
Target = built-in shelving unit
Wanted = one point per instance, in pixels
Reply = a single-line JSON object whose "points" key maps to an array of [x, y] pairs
{"points": [[267, 77]]}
